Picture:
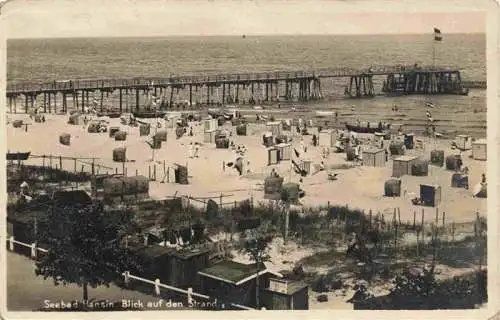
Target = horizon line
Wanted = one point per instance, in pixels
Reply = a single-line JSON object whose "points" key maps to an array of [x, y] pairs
{"points": [[240, 35]]}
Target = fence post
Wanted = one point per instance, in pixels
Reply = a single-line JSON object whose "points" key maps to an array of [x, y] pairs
{"points": [[126, 278], [11, 243], [157, 287], [33, 251], [189, 295]]}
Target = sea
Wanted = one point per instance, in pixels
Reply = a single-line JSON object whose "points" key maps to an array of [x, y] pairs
{"points": [[40, 60]]}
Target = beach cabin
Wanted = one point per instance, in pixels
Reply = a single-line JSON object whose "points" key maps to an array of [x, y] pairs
{"points": [[305, 165], [430, 195], [234, 282], [209, 136], [210, 125], [274, 127], [374, 157], [286, 295], [409, 140], [403, 165], [285, 151], [479, 149], [326, 138], [378, 137], [463, 142], [272, 156]]}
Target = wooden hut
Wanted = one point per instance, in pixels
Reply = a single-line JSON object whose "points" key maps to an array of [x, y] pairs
{"points": [[392, 188], [397, 148], [181, 175], [120, 136], [235, 282], [281, 139], [75, 119], [222, 143], [479, 149], [459, 180], [290, 192], [267, 139], [420, 168], [65, 139], [17, 123], [326, 138], [402, 166], [209, 136], [374, 157], [286, 295], [113, 131], [119, 155], [305, 166], [378, 137], [430, 195], [274, 127], [144, 129], [284, 151], [272, 156], [463, 142], [183, 266], [454, 162], [241, 130], [409, 141], [120, 188], [210, 124], [272, 188], [437, 157]]}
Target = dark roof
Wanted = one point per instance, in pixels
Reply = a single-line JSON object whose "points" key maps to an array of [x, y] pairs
{"points": [[231, 271], [153, 251], [187, 254], [72, 197]]}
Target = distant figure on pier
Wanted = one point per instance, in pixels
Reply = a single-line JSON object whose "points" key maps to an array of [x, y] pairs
{"points": [[336, 115], [190, 131], [483, 178], [314, 140]]}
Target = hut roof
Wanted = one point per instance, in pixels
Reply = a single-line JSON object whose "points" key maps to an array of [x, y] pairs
{"points": [[405, 158], [292, 286], [153, 251], [480, 141], [72, 197], [234, 272], [190, 253]]}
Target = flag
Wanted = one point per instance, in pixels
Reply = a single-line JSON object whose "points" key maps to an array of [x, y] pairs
{"points": [[437, 35], [429, 105]]}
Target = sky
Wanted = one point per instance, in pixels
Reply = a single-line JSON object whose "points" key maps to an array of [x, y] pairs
{"points": [[112, 18]]}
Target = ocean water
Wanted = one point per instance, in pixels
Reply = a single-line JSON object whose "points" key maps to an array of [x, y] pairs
{"points": [[60, 59]]}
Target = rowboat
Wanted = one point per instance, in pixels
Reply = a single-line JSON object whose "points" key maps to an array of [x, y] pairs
{"points": [[21, 156], [149, 114], [321, 114], [361, 129]]}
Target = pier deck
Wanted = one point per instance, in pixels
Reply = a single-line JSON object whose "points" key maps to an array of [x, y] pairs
{"points": [[250, 87]]}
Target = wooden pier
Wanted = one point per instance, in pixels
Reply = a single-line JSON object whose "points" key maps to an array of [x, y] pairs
{"points": [[245, 88]]}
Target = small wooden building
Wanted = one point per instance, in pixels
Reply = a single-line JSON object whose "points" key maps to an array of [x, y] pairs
{"points": [[430, 195], [209, 136], [274, 127], [479, 149], [409, 140], [378, 137], [233, 282], [326, 138], [402, 166], [286, 295], [463, 142], [272, 156], [210, 124], [285, 151], [305, 165], [374, 157], [184, 266]]}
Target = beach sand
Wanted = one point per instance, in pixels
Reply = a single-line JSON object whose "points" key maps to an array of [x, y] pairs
{"points": [[358, 187]]}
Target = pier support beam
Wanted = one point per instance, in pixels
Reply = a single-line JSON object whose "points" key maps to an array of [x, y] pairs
{"points": [[121, 99], [360, 86], [137, 99]]}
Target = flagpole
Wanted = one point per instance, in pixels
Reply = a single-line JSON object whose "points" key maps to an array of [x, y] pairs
{"points": [[434, 53]]}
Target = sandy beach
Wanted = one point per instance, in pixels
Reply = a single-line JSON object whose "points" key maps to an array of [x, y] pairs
{"points": [[359, 186]]}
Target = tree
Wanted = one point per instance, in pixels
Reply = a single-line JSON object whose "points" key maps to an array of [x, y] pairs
{"points": [[83, 245], [255, 243]]}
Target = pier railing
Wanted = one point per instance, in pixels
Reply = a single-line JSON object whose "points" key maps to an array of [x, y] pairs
{"points": [[149, 82]]}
